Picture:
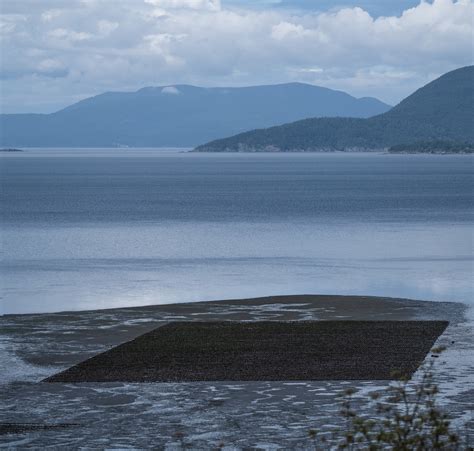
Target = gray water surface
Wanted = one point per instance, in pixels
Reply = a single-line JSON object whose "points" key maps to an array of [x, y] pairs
{"points": [[97, 228]]}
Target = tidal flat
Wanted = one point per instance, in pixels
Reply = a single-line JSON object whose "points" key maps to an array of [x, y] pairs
{"points": [[261, 414]]}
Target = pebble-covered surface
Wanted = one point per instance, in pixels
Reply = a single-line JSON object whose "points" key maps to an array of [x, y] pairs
{"points": [[237, 351], [265, 415]]}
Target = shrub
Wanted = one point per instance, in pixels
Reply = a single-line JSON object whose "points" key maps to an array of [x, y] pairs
{"points": [[404, 417]]}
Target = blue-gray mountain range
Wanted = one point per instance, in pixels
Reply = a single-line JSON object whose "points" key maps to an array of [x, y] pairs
{"points": [[439, 114], [178, 116]]}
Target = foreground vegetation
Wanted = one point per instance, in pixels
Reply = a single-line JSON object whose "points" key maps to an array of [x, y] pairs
{"points": [[405, 417]]}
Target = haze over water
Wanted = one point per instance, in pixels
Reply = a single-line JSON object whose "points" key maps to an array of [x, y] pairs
{"points": [[90, 229]]}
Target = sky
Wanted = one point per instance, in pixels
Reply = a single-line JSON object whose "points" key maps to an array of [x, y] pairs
{"points": [[56, 52]]}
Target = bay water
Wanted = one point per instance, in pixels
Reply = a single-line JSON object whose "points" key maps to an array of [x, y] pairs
{"points": [[103, 228]]}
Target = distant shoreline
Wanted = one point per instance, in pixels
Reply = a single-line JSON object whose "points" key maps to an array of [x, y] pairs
{"points": [[350, 152], [189, 150]]}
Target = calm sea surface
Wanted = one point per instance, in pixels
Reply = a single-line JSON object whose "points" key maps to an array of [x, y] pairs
{"points": [[89, 229]]}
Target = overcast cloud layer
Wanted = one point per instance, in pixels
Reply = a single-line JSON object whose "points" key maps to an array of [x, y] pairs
{"points": [[55, 52]]}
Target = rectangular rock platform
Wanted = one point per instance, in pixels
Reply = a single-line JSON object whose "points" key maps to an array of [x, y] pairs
{"points": [[264, 351]]}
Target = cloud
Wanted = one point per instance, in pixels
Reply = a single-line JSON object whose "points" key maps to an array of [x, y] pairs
{"points": [[106, 27], [97, 47], [210, 5], [25, 69], [50, 15], [69, 35], [51, 68]]}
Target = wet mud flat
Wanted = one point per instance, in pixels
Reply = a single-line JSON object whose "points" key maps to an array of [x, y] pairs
{"points": [[205, 414], [264, 351], [60, 340]]}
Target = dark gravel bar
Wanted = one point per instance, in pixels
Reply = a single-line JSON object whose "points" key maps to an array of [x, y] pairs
{"points": [[264, 351], [20, 428]]}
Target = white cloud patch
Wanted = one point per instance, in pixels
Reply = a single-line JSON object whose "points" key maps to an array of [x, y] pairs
{"points": [[50, 15], [93, 46], [69, 35], [210, 5], [106, 27], [52, 67], [10, 23]]}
